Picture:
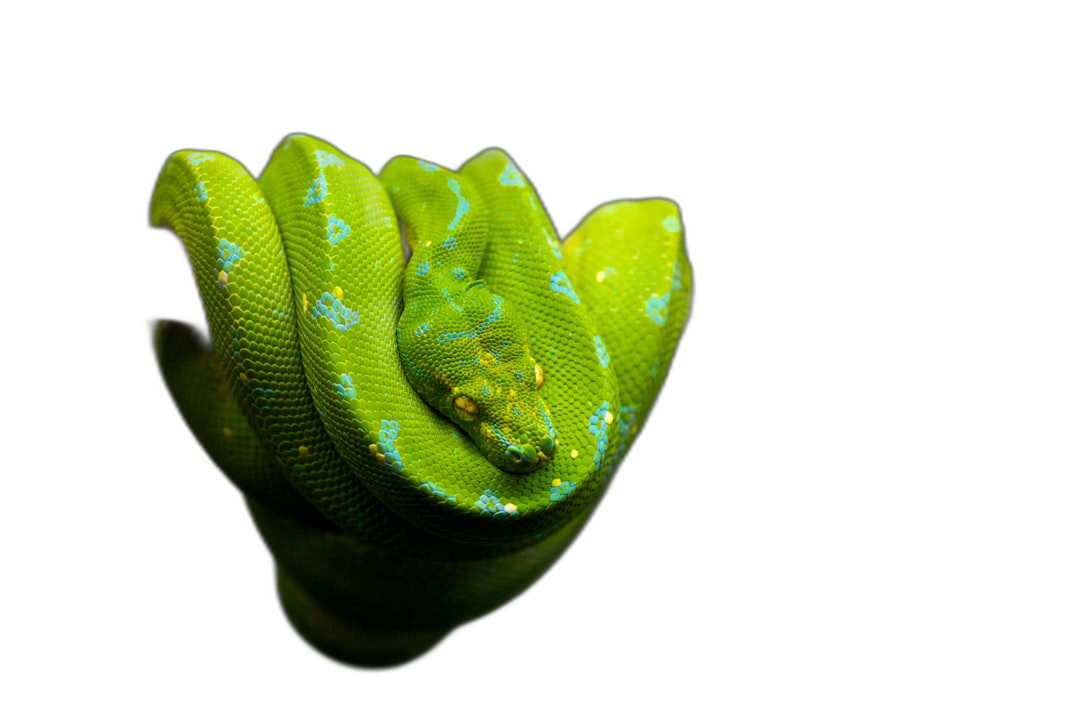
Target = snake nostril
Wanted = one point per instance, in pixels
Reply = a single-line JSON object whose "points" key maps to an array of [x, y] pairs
{"points": [[515, 454]]}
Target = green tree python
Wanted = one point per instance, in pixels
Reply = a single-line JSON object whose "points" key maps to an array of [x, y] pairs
{"points": [[420, 390]]}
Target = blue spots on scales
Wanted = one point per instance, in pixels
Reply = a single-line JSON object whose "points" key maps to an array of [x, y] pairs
{"points": [[503, 440], [413, 367], [198, 158], [426, 166], [228, 254], [336, 230], [437, 491], [627, 417], [346, 388], [446, 295], [462, 205], [326, 159], [421, 329], [598, 425], [601, 352], [512, 176], [234, 340], [423, 268], [494, 317], [656, 307], [317, 191], [546, 418], [384, 451], [263, 399], [200, 192], [450, 243], [458, 273], [333, 309], [490, 504], [561, 489], [552, 244], [561, 284], [627, 425], [671, 223]]}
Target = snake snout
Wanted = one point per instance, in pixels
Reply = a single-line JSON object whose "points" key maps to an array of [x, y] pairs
{"points": [[523, 455], [526, 458]]}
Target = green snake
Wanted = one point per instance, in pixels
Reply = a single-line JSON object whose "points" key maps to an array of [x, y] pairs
{"points": [[418, 438]]}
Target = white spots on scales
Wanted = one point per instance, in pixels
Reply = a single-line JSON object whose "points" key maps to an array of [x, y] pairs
{"points": [[604, 274]]}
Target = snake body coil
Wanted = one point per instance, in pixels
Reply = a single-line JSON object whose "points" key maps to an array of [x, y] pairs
{"points": [[417, 441]]}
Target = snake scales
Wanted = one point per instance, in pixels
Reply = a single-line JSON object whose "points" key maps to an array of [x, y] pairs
{"points": [[418, 439]]}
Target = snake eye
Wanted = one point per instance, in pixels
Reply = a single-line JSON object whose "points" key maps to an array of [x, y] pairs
{"points": [[466, 407], [539, 376]]}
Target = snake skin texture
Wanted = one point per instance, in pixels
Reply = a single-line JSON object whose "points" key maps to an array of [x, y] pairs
{"points": [[418, 439]]}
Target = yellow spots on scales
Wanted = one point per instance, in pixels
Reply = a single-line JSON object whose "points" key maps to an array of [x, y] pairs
{"points": [[379, 457], [510, 508], [609, 418], [227, 431], [574, 453], [304, 451], [339, 293]]}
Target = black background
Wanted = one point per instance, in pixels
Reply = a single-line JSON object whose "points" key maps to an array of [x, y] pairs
{"points": [[665, 570]]}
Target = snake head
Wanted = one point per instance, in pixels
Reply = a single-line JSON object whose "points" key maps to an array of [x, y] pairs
{"points": [[469, 358]]}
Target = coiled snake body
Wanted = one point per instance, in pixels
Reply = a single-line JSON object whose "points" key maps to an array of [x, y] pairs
{"points": [[417, 441]]}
